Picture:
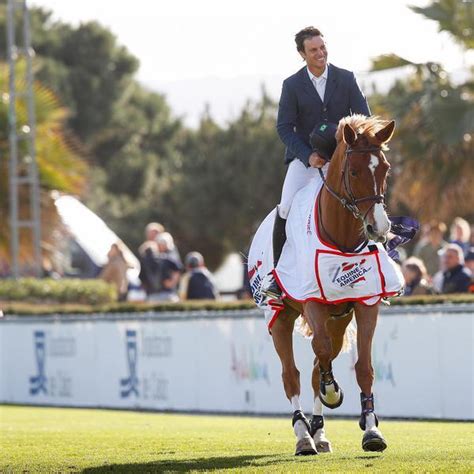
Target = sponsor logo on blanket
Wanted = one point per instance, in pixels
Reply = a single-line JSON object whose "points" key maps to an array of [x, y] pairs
{"points": [[256, 282], [350, 273]]}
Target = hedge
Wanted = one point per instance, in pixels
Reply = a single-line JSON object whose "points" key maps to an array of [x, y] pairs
{"points": [[35, 309], [47, 290]]}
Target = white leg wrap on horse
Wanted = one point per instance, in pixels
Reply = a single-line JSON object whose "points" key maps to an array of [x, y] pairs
{"points": [[317, 407], [295, 403], [301, 430], [370, 424]]}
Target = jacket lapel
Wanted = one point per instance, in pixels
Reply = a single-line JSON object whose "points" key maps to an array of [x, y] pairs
{"points": [[331, 84], [308, 85]]}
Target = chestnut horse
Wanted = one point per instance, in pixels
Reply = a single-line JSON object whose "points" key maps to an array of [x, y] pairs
{"points": [[351, 212]]}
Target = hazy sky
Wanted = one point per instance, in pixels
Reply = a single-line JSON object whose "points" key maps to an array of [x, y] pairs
{"points": [[208, 44]]}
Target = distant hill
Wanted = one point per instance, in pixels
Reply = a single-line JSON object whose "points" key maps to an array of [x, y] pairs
{"points": [[227, 96]]}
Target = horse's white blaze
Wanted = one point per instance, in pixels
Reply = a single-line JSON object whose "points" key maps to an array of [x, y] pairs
{"points": [[381, 219], [382, 222], [374, 162]]}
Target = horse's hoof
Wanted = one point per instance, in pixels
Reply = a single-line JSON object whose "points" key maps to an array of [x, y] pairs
{"points": [[305, 447], [373, 441], [323, 447], [333, 399]]}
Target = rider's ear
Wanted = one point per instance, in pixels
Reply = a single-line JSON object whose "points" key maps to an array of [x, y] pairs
{"points": [[386, 133], [349, 134]]}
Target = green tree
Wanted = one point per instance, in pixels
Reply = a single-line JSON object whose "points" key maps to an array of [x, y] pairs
{"points": [[230, 178]]}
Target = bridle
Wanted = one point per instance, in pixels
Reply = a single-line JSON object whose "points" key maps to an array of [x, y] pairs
{"points": [[351, 202]]}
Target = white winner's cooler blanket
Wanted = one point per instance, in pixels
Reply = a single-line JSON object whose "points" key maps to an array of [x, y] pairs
{"points": [[310, 269]]}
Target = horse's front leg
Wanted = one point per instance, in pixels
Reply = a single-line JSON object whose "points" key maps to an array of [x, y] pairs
{"points": [[366, 317], [317, 315], [336, 329], [282, 334]]}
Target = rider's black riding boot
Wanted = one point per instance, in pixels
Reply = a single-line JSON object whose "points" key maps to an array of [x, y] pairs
{"points": [[279, 239]]}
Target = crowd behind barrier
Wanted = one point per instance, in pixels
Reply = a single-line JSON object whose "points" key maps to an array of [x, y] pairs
{"points": [[440, 263]]}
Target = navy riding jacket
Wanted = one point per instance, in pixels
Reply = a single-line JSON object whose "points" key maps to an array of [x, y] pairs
{"points": [[301, 108]]}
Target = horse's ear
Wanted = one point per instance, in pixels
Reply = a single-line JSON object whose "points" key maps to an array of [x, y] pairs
{"points": [[349, 134], [386, 133]]}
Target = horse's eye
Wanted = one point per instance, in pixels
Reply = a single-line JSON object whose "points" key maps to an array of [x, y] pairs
{"points": [[353, 173]]}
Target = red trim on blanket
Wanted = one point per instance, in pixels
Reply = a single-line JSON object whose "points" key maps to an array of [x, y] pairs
{"points": [[318, 279], [382, 277], [274, 318], [343, 300]]}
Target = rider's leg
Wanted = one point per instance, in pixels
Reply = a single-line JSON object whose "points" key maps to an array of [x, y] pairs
{"points": [[296, 178]]}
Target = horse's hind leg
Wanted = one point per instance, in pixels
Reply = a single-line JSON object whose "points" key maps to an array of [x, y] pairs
{"points": [[282, 334], [366, 318], [336, 329]]}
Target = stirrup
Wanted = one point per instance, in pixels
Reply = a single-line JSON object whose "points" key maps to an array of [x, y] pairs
{"points": [[273, 292]]}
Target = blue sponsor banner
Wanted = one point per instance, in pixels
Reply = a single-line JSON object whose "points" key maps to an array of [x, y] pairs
{"points": [[38, 382], [129, 385]]}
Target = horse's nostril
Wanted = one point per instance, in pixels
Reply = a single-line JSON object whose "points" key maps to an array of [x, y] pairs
{"points": [[370, 229]]}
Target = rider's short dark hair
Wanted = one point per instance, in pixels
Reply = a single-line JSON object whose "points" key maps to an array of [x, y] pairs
{"points": [[304, 34]]}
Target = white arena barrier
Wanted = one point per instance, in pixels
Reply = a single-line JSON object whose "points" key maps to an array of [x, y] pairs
{"points": [[225, 362]]}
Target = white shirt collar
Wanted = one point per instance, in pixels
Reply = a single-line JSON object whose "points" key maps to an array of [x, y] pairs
{"points": [[324, 75]]}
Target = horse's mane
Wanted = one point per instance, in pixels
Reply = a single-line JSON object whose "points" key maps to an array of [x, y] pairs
{"points": [[361, 124]]}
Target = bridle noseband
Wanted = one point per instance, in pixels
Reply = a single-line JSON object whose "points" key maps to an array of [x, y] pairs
{"points": [[351, 202]]}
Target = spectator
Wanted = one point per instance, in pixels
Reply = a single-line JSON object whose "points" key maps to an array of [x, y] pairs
{"points": [[197, 283], [115, 271], [152, 231], [150, 275], [147, 254], [460, 233], [167, 247], [469, 262], [428, 252], [416, 277], [456, 278], [168, 269]]}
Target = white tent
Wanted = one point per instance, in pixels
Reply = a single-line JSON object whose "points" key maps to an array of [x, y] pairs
{"points": [[92, 234]]}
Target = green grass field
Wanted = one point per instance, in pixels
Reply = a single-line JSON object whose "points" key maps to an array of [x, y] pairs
{"points": [[95, 441]]}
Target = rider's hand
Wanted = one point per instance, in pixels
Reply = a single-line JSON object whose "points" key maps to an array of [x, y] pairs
{"points": [[315, 161]]}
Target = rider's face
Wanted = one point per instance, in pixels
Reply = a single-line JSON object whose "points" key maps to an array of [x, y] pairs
{"points": [[315, 53]]}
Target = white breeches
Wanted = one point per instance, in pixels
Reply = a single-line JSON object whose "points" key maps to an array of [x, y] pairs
{"points": [[297, 177]]}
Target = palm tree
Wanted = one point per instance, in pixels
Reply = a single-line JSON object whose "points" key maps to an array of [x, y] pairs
{"points": [[433, 153], [58, 156]]}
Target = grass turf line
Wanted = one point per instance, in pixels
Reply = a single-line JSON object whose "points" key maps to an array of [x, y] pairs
{"points": [[35, 439]]}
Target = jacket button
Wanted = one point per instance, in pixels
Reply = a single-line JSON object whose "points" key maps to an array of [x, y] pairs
{"points": [[325, 109]]}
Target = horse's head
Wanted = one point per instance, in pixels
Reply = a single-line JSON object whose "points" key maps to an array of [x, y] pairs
{"points": [[364, 173]]}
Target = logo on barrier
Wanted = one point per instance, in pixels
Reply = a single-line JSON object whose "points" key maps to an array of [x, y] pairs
{"points": [[38, 382], [129, 385], [245, 366]]}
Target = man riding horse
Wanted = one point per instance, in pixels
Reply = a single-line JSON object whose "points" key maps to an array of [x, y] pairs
{"points": [[318, 92], [333, 265]]}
